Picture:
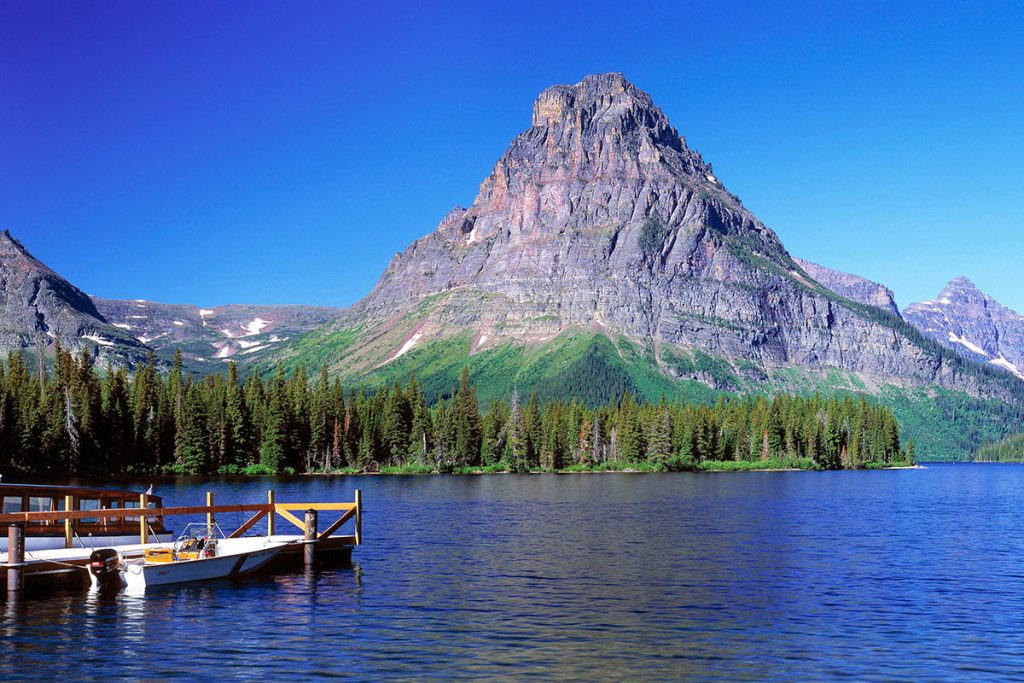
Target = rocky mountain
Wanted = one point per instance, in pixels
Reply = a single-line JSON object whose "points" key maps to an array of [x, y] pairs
{"points": [[853, 287], [240, 332], [972, 323], [38, 306], [600, 221]]}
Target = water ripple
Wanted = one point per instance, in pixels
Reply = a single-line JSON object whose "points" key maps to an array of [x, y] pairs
{"points": [[909, 575]]}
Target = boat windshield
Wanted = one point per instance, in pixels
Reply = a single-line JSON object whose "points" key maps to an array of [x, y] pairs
{"points": [[196, 531]]}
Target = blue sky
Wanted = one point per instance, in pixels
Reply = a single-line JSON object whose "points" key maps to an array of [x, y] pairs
{"points": [[282, 152]]}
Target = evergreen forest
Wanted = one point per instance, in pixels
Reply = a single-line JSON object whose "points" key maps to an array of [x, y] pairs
{"points": [[70, 419], [1010, 449]]}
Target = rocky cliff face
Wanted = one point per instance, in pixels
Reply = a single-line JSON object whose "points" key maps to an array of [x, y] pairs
{"points": [[852, 287], [240, 332], [970, 322], [599, 217], [38, 306]]}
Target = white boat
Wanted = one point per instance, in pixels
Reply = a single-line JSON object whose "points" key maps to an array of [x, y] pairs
{"points": [[197, 555]]}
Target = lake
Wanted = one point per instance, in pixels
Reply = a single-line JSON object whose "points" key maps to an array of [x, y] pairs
{"points": [[777, 576]]}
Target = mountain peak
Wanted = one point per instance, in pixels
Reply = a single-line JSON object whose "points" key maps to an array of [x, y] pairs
{"points": [[14, 255], [9, 244], [37, 305], [961, 282], [597, 99], [971, 322]]}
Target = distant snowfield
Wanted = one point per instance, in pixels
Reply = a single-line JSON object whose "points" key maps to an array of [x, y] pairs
{"points": [[408, 345], [964, 342], [123, 326], [1003, 363], [255, 326], [98, 339]]}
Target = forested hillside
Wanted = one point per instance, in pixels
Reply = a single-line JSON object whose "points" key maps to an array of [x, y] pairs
{"points": [[1010, 449], [72, 420]]}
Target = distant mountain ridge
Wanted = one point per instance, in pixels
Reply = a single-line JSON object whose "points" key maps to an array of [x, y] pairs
{"points": [[244, 333], [38, 307], [852, 287], [970, 322]]}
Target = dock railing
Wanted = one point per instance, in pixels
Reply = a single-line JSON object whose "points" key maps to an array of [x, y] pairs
{"points": [[260, 510]]}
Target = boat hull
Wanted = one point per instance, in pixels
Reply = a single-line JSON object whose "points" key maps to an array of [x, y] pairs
{"points": [[137, 575]]}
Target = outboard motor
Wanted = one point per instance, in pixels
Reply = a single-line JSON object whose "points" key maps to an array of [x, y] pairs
{"points": [[103, 564]]}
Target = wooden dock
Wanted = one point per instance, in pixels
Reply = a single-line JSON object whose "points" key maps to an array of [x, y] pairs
{"points": [[68, 566]]}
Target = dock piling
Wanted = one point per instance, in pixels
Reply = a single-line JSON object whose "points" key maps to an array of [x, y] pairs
{"points": [[143, 521], [310, 547], [69, 503], [273, 511], [359, 517], [209, 515], [15, 557]]}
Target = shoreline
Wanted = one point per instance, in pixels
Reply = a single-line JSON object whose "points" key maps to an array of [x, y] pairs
{"points": [[626, 470]]}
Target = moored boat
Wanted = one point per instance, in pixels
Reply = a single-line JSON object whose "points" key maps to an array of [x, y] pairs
{"points": [[197, 555]]}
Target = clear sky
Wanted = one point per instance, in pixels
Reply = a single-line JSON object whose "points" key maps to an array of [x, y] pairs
{"points": [[251, 152]]}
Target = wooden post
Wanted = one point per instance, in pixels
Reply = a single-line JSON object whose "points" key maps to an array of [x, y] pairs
{"points": [[209, 515], [15, 557], [69, 502], [271, 514], [143, 522], [310, 547], [359, 517]]}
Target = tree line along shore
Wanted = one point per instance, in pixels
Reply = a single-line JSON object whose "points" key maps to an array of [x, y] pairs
{"points": [[72, 420]]}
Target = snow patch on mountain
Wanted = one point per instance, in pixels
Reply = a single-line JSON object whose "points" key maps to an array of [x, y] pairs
{"points": [[964, 342], [98, 339], [255, 326], [1006, 365], [408, 345], [254, 349]]}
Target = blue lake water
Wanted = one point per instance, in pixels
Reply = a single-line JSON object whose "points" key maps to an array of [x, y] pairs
{"points": [[778, 576]]}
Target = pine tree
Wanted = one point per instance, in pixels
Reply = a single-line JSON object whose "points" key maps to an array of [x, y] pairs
{"points": [[272, 444], [516, 448], [191, 446]]}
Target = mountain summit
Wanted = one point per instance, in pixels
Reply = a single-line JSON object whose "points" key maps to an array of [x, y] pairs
{"points": [[973, 324], [598, 216]]}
